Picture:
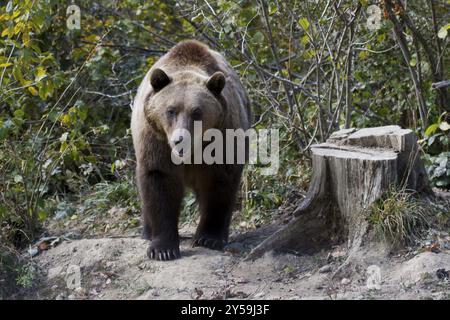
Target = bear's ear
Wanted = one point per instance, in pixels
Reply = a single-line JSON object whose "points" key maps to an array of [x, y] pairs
{"points": [[216, 82], [159, 79]]}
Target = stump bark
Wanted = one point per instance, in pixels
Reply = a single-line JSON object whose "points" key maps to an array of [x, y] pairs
{"points": [[351, 170]]}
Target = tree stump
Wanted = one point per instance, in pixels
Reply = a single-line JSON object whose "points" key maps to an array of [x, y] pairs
{"points": [[351, 170]]}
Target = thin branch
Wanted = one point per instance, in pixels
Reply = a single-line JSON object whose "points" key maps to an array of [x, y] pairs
{"points": [[407, 57]]}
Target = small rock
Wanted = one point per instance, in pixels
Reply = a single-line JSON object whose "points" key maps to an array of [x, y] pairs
{"points": [[155, 293], [108, 281], [198, 293], [243, 224], [325, 269], [60, 296], [93, 292], [33, 251], [54, 272], [345, 281], [71, 297], [142, 266], [79, 290], [442, 274]]}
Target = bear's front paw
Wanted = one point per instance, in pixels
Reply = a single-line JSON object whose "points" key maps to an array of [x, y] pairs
{"points": [[208, 241], [158, 250]]}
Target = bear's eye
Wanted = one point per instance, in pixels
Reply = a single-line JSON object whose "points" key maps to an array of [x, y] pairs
{"points": [[197, 114], [171, 112]]}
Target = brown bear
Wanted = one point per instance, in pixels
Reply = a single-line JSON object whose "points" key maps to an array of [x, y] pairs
{"points": [[189, 83]]}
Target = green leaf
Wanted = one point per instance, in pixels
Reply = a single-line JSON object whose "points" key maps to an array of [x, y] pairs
{"points": [[431, 129], [40, 73], [42, 215], [9, 6], [6, 32], [33, 91], [272, 9], [442, 34], [304, 40], [431, 140], [18, 75], [18, 178], [309, 54], [19, 114], [443, 162], [304, 23], [258, 37], [363, 55], [444, 126]]}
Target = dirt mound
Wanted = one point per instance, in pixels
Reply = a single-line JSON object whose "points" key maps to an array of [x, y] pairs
{"points": [[117, 268]]}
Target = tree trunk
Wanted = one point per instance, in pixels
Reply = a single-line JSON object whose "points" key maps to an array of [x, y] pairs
{"points": [[351, 170]]}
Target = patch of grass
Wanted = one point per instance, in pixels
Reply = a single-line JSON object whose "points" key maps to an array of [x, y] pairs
{"points": [[26, 275], [122, 193], [400, 218], [16, 274]]}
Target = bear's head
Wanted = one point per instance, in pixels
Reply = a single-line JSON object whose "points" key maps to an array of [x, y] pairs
{"points": [[182, 99]]}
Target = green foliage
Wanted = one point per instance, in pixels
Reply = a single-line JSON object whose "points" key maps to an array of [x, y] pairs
{"points": [[26, 276], [65, 94], [437, 145], [262, 195], [106, 195]]}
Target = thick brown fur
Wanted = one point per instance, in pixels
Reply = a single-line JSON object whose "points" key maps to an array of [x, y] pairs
{"points": [[193, 53], [190, 66]]}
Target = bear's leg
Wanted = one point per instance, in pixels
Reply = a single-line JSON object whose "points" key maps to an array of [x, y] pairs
{"points": [[216, 199], [147, 230], [161, 195]]}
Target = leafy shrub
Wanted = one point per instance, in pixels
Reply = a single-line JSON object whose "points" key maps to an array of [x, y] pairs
{"points": [[437, 144], [65, 94]]}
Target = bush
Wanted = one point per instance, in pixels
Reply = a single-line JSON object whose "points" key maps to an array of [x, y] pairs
{"points": [[437, 158]]}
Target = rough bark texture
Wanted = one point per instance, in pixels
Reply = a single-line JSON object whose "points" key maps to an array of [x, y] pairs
{"points": [[351, 170]]}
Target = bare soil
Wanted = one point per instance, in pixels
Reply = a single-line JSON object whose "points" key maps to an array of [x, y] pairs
{"points": [[118, 268]]}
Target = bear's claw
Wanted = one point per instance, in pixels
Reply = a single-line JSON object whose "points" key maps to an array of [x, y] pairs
{"points": [[163, 254], [209, 242]]}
